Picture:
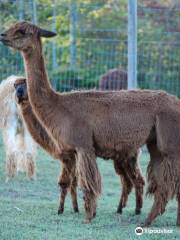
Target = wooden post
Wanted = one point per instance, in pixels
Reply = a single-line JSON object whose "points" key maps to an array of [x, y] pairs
{"points": [[132, 44]]}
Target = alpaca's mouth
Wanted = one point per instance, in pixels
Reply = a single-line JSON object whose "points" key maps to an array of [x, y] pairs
{"points": [[20, 99], [1, 38], [4, 41]]}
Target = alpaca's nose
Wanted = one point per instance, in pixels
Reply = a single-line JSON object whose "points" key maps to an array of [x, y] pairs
{"points": [[20, 92], [2, 36]]}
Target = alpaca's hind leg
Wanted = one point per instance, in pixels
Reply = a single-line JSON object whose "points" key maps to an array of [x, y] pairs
{"points": [[89, 180], [178, 211], [73, 191], [64, 183], [126, 185], [11, 165]]}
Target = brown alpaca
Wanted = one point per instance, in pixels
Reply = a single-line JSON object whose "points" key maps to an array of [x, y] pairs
{"points": [[67, 180], [105, 124], [114, 79], [127, 170]]}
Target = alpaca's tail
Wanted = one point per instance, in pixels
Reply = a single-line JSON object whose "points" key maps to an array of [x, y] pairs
{"points": [[87, 172], [164, 176], [167, 169], [152, 184]]}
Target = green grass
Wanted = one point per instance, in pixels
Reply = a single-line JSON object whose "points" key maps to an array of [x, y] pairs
{"points": [[28, 209]]}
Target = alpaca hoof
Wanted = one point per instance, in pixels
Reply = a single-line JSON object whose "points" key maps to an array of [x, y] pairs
{"points": [[119, 210], [60, 211], [138, 211], [94, 214]]}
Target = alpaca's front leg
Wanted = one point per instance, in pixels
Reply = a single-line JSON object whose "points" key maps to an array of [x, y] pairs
{"points": [[89, 180], [139, 189], [64, 190], [136, 177], [126, 184]]}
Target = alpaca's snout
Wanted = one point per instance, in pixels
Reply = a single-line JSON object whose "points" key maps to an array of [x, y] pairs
{"points": [[2, 36], [3, 39], [20, 92]]}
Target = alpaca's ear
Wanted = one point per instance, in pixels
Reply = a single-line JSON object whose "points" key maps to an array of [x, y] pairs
{"points": [[46, 33]]}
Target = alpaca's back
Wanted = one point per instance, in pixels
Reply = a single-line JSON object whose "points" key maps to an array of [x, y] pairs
{"points": [[120, 120]]}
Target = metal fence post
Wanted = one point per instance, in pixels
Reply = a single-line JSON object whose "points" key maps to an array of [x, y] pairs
{"points": [[132, 44], [54, 57], [34, 11], [73, 23], [54, 50], [21, 10]]}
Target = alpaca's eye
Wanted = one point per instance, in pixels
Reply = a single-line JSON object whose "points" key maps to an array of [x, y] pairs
{"points": [[22, 32]]}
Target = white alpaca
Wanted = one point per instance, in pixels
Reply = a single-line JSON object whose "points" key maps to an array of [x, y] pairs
{"points": [[20, 148]]}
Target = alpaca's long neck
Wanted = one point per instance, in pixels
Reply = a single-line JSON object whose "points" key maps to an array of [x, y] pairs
{"points": [[39, 90], [37, 131]]}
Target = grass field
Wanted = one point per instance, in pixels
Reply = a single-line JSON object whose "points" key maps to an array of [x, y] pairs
{"points": [[28, 209]]}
